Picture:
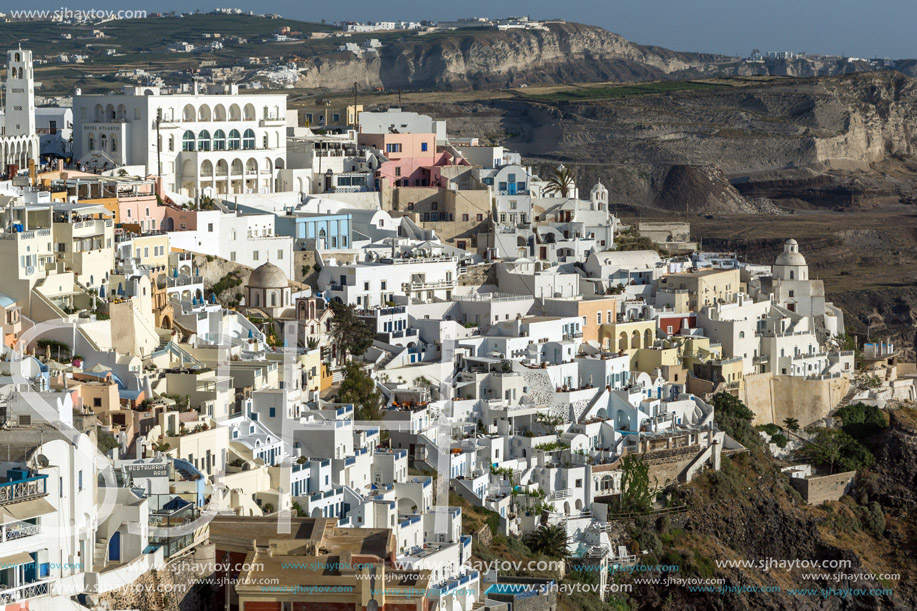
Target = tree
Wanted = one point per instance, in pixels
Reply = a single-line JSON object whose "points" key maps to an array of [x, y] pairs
{"points": [[359, 388], [548, 539], [862, 421], [834, 447], [636, 493], [791, 424], [561, 181], [733, 417], [349, 332]]}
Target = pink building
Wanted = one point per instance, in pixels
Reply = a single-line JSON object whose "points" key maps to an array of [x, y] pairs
{"points": [[401, 146], [179, 219], [414, 172]]}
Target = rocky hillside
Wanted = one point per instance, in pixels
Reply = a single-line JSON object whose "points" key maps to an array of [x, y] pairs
{"points": [[478, 59], [749, 512], [811, 142], [559, 53]]}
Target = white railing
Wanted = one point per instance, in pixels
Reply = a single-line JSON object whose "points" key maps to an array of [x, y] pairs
{"points": [[23, 592], [19, 531]]}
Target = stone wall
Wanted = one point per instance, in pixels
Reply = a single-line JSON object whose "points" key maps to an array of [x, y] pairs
{"points": [[774, 398], [172, 588], [819, 489]]}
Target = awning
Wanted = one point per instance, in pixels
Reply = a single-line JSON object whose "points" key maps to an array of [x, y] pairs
{"points": [[15, 560], [27, 510]]}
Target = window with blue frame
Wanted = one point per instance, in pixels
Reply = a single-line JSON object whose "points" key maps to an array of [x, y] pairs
{"points": [[423, 146]]}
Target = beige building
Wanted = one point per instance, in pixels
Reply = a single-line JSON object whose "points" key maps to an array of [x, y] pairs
{"points": [[706, 287], [461, 217], [324, 114]]}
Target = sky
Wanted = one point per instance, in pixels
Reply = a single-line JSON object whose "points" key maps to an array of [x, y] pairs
{"points": [[855, 28]]}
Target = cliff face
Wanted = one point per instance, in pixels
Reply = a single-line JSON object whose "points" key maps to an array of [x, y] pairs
{"points": [[845, 123], [558, 53], [563, 52]]}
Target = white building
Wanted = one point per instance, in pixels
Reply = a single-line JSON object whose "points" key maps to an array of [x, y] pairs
{"points": [[215, 143]]}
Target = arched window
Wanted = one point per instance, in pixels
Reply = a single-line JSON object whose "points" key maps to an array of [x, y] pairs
{"points": [[114, 144], [741, 334], [219, 140], [203, 140], [234, 140], [248, 139], [273, 300], [188, 141], [92, 143]]}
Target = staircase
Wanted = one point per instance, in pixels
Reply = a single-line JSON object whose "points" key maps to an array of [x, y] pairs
{"points": [[100, 554]]}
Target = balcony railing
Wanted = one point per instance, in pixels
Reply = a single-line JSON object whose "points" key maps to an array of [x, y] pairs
{"points": [[18, 530], [24, 489], [24, 592]]}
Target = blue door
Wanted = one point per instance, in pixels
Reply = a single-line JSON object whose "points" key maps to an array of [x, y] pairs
{"points": [[114, 547]]}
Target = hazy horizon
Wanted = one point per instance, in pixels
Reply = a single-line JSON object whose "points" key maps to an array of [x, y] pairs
{"points": [[882, 28]]}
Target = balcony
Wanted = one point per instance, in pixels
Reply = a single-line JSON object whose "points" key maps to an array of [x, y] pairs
{"points": [[425, 286], [15, 594], [24, 489], [19, 530]]}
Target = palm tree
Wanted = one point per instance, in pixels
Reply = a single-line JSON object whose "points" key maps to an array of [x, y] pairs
{"points": [[561, 181], [550, 540]]}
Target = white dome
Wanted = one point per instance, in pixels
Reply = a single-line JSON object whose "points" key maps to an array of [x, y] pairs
{"points": [[790, 254]]}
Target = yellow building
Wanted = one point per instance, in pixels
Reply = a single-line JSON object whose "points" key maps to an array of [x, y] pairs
{"points": [[151, 250], [706, 287], [311, 362], [628, 337]]}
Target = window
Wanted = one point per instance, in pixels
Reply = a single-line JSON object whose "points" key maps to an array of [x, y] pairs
{"points": [[480, 217], [219, 140], [598, 318], [80, 480], [465, 217], [384, 285], [248, 139], [434, 206], [114, 145], [336, 117], [203, 140], [187, 141], [366, 286], [210, 227], [398, 171], [512, 205], [393, 148], [232, 256], [792, 293], [280, 255], [255, 256], [423, 146], [234, 140]]}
